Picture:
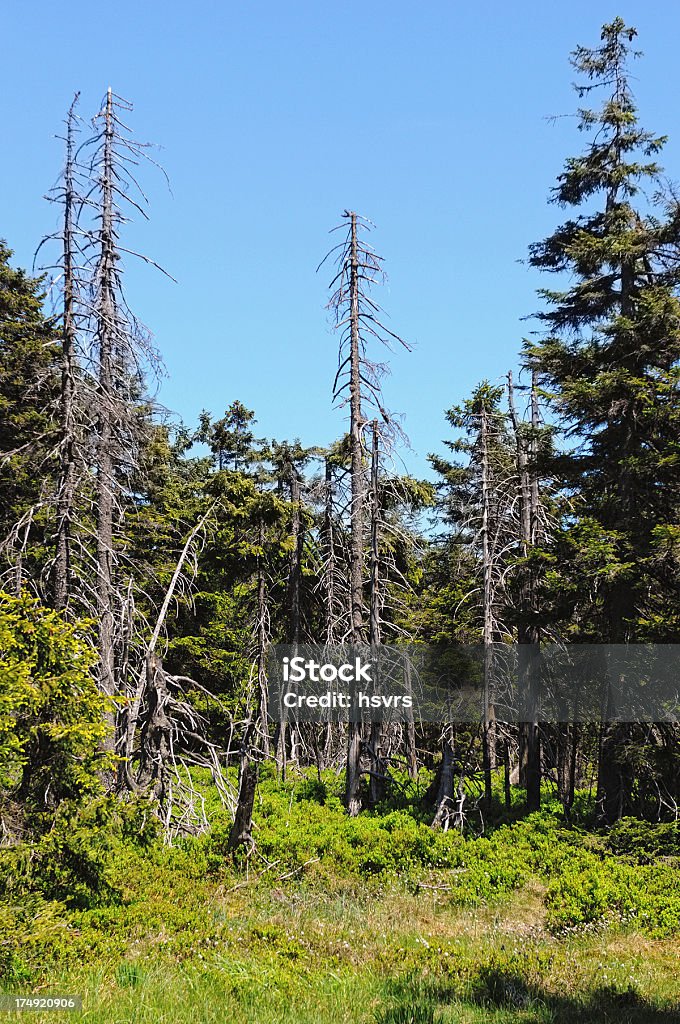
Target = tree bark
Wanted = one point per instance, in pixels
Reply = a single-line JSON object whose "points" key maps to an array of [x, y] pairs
{"points": [[106, 327], [66, 487], [377, 787], [528, 634], [358, 493], [488, 727]]}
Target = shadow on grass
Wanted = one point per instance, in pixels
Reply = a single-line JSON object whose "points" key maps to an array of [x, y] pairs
{"points": [[420, 1002]]}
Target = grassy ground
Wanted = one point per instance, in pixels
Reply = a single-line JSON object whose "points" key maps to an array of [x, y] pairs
{"points": [[293, 954], [322, 926]]}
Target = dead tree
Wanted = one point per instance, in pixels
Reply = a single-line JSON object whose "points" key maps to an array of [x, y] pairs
{"points": [[356, 565], [481, 507], [107, 342], [56, 453], [357, 382], [241, 829], [163, 733], [377, 761], [122, 356], [69, 343], [528, 631], [288, 459], [488, 733]]}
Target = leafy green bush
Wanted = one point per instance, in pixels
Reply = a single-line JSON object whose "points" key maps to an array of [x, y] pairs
{"points": [[590, 892], [72, 863], [32, 934], [643, 840], [51, 713]]}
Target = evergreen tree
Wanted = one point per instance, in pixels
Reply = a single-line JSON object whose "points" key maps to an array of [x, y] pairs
{"points": [[610, 360], [28, 384], [610, 364]]}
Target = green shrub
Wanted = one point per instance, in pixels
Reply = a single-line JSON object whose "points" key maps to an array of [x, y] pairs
{"points": [[643, 840], [51, 712], [592, 892], [73, 861]]}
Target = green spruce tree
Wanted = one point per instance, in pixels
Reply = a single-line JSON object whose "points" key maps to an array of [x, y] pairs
{"points": [[609, 361]]}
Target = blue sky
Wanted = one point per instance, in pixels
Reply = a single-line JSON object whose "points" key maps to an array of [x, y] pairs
{"points": [[429, 118]]}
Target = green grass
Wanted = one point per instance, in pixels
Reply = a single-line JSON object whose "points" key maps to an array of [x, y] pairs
{"points": [[383, 922]]}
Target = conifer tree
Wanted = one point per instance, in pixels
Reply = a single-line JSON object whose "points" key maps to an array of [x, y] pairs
{"points": [[610, 362], [28, 387]]}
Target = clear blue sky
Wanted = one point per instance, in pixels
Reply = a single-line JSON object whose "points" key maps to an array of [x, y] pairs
{"points": [[428, 118]]}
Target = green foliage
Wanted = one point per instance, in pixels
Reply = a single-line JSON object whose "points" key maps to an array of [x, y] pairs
{"points": [[644, 841], [28, 382], [609, 363], [51, 712], [302, 824], [426, 921], [73, 862], [588, 893]]}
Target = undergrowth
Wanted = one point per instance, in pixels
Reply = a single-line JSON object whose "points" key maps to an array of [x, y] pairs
{"points": [[353, 903]]}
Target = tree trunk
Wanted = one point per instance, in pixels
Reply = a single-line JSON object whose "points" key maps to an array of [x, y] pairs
{"points": [[106, 328], [444, 796], [66, 487], [488, 728], [377, 787], [293, 604], [241, 830], [411, 750], [528, 634], [358, 493]]}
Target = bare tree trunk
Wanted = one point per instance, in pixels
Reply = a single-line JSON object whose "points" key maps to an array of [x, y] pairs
{"points": [[154, 752], [489, 731], [572, 765], [533, 779], [506, 774], [240, 833], [329, 535], [106, 328], [411, 750], [377, 777], [564, 746], [262, 684], [66, 486], [293, 603], [528, 632], [358, 494], [444, 795], [241, 830], [295, 566]]}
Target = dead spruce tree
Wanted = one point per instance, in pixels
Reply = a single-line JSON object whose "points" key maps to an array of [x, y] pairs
{"points": [[55, 450], [90, 454], [122, 358], [480, 504], [357, 384], [70, 195], [376, 787], [289, 461], [528, 630]]}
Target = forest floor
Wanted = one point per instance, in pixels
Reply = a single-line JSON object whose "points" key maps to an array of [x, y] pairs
{"points": [[373, 921]]}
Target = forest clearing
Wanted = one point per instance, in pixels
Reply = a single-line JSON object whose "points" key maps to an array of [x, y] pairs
{"points": [[474, 812]]}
